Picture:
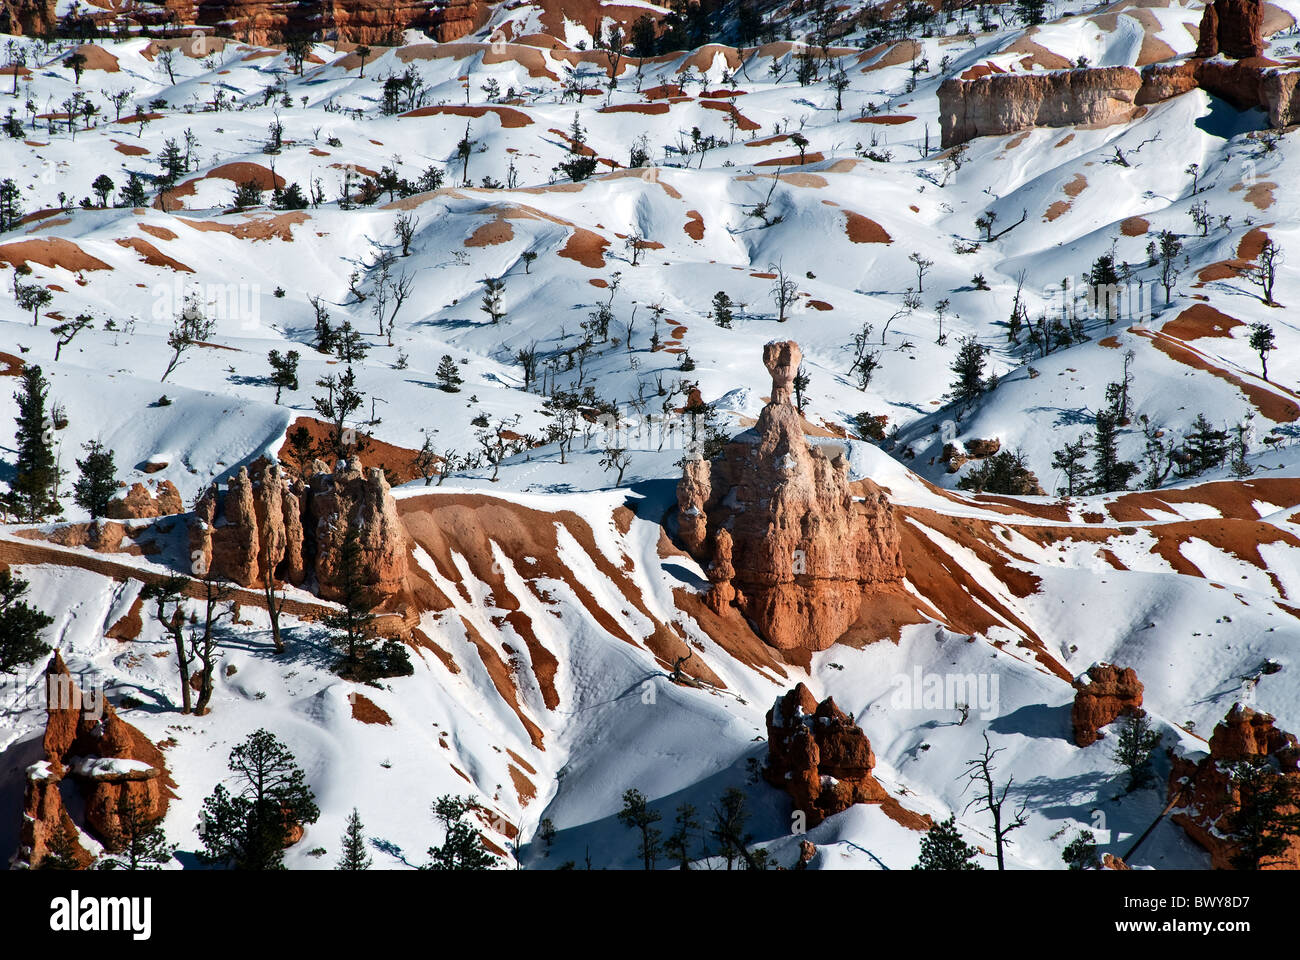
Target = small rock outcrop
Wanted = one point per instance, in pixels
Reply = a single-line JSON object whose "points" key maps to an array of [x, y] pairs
{"points": [[141, 503], [818, 755], [1206, 796], [271, 525], [775, 525], [113, 764], [1006, 102], [1103, 695]]}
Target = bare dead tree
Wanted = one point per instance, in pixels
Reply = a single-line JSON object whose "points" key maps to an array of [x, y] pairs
{"points": [[991, 799]]}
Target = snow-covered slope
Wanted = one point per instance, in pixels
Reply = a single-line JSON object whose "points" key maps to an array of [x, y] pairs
{"points": [[560, 603]]}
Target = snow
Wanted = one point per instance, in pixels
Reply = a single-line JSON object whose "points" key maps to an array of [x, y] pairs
{"points": [[620, 723]]}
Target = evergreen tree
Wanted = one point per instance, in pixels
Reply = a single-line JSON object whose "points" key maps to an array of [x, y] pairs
{"points": [[678, 843], [722, 312], [138, 839], [969, 369], [448, 375], [1204, 447], [94, 489], [1005, 472], [729, 820], [20, 625], [33, 490], [1109, 472], [1133, 751], [134, 193], [354, 620], [62, 853], [1081, 852], [284, 371], [354, 845], [1260, 827], [1070, 458], [11, 207], [1262, 341], [462, 846], [942, 848], [637, 815], [249, 829]]}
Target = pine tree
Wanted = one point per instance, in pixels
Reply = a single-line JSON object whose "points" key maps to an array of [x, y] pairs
{"points": [[1081, 852], [462, 846], [354, 845], [20, 625], [1006, 471], [969, 369], [33, 490], [637, 815], [62, 853], [1204, 447], [1133, 751], [942, 848], [134, 193], [139, 840], [1109, 472], [448, 375], [722, 312], [284, 371], [1260, 828], [353, 621], [94, 489], [11, 207], [678, 844], [249, 829], [1070, 459]]}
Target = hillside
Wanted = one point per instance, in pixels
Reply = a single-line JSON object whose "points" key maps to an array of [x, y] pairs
{"points": [[542, 583]]}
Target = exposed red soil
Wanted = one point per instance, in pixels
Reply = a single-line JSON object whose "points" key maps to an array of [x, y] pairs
{"points": [[1200, 320], [742, 122], [129, 625], [398, 461], [650, 109], [130, 149], [861, 229], [255, 227], [791, 161], [887, 120], [367, 711], [151, 254], [694, 225], [1134, 226], [509, 117], [50, 252], [586, 247]]}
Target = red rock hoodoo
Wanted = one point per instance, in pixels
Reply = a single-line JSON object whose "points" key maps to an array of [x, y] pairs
{"points": [[1103, 695], [271, 525], [111, 761], [141, 503], [1234, 28], [818, 755], [781, 535], [1207, 797]]}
